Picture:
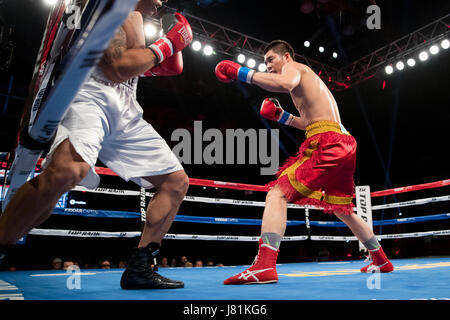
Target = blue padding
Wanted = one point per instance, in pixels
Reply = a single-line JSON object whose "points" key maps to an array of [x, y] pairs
{"points": [[236, 221], [327, 224], [96, 213], [435, 217], [180, 218], [214, 220], [442, 216]]}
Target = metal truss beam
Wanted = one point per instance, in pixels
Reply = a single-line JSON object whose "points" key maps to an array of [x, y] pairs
{"points": [[409, 45], [229, 42]]}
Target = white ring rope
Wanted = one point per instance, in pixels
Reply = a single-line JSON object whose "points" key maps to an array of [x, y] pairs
{"points": [[385, 236], [190, 198], [258, 203], [411, 203], [132, 234]]}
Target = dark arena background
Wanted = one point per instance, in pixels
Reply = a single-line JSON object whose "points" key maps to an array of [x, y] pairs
{"points": [[400, 120]]}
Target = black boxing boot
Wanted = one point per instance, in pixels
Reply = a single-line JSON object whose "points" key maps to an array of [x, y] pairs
{"points": [[140, 275]]}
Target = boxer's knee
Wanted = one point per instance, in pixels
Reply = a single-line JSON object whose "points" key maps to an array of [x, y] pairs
{"points": [[66, 169], [275, 194], [179, 185], [176, 184], [67, 176], [345, 217]]}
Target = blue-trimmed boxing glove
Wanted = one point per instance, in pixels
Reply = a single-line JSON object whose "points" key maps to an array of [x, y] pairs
{"points": [[272, 110], [228, 71]]}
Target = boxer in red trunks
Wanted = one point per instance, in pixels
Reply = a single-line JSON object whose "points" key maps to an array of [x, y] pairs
{"points": [[322, 172]]}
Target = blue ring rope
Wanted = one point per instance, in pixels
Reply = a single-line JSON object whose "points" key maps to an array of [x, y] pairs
{"points": [[237, 221]]}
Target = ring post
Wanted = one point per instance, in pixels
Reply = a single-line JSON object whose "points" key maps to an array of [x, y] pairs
{"points": [[364, 208]]}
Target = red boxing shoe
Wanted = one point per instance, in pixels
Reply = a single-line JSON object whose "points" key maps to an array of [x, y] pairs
{"points": [[380, 263], [263, 269]]}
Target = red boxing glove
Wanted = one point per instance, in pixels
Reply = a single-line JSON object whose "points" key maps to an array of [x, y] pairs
{"points": [[178, 35], [271, 109], [172, 66], [227, 71]]}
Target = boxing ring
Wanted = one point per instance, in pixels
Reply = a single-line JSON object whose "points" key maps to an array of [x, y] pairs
{"points": [[413, 278], [338, 279], [422, 278]]}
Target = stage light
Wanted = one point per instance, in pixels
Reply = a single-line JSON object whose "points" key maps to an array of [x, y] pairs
{"points": [[335, 55], [196, 45], [389, 69], [241, 58], [411, 62], [150, 30], [262, 67], [423, 56], [208, 50], [445, 44], [251, 63], [50, 2], [306, 43], [321, 49], [434, 49], [400, 65]]}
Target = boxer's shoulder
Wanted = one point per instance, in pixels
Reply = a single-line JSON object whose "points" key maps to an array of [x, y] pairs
{"points": [[135, 16], [134, 30]]}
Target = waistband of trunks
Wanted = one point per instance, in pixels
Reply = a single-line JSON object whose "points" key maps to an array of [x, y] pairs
{"points": [[100, 77], [325, 126]]}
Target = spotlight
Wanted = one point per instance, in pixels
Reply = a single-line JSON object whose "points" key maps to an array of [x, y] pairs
{"points": [[423, 56], [50, 2], [207, 50], [321, 49], [306, 43], [434, 49], [335, 55], [411, 62], [196, 45], [445, 44], [150, 30], [241, 58], [251, 63], [262, 67], [400, 65], [389, 69]]}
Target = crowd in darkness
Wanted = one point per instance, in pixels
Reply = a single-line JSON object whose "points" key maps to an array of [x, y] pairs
{"points": [[163, 262]]}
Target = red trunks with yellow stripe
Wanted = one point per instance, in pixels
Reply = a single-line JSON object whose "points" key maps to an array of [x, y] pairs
{"points": [[322, 172]]}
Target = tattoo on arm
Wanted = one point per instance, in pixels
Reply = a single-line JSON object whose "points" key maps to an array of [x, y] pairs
{"points": [[115, 49]]}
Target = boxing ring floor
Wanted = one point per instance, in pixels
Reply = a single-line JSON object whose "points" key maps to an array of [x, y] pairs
{"points": [[420, 278]]}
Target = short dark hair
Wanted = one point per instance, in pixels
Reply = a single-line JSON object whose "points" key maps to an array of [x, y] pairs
{"points": [[280, 47]]}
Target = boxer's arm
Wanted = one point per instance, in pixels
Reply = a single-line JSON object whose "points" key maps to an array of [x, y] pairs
{"points": [[285, 82], [127, 57], [299, 123], [120, 64], [123, 59]]}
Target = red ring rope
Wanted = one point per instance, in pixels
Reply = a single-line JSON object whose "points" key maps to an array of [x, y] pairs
{"points": [[252, 187]]}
